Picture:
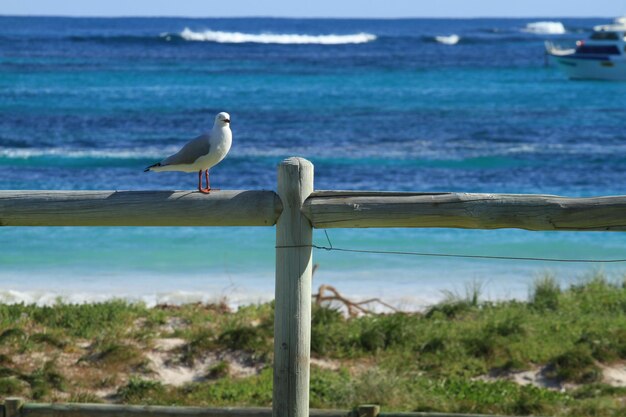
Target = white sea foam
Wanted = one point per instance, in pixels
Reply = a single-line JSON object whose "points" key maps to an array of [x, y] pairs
{"points": [[133, 153], [49, 298], [287, 39], [448, 40], [403, 293], [405, 290], [416, 150], [545, 28], [403, 302]]}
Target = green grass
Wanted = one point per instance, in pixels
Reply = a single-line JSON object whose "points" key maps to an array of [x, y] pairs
{"points": [[199, 343], [44, 380], [546, 294], [139, 390], [116, 357], [575, 365], [219, 370], [432, 361], [11, 386]]}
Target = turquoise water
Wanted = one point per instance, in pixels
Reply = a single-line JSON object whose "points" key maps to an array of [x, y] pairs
{"points": [[88, 103]]}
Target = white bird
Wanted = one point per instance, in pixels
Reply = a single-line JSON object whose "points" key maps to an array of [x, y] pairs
{"points": [[201, 153]]}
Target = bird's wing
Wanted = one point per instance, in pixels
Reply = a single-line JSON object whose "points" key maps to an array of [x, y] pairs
{"points": [[193, 150]]}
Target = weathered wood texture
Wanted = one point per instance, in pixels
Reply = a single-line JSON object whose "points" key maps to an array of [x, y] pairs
{"points": [[325, 209], [350, 209], [109, 410], [12, 407], [368, 410], [292, 322], [138, 208]]}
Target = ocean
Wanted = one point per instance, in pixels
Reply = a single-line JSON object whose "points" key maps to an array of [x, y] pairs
{"points": [[87, 103]]}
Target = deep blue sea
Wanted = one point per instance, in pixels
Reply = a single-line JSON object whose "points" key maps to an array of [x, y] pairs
{"points": [[87, 103]]}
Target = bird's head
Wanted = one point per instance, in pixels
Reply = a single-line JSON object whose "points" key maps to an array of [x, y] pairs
{"points": [[222, 119]]}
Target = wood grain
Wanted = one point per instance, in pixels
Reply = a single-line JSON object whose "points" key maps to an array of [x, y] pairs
{"points": [[355, 209], [139, 208], [292, 320], [12, 406], [110, 410], [113, 410]]}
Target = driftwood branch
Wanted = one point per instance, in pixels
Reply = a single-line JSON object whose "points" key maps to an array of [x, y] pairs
{"points": [[354, 308]]}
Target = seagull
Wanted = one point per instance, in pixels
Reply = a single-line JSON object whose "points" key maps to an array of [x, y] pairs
{"points": [[202, 153]]}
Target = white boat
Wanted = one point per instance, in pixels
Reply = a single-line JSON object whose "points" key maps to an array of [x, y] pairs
{"points": [[601, 57]]}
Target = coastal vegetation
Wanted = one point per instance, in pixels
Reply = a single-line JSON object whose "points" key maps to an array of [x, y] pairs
{"points": [[560, 353]]}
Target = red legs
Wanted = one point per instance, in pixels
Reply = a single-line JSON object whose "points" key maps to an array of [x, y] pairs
{"points": [[206, 190]]}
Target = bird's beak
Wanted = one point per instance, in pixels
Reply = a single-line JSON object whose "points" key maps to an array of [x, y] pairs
{"points": [[226, 120]]}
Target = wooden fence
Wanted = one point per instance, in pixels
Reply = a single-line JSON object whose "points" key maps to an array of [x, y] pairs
{"points": [[13, 407], [295, 210]]}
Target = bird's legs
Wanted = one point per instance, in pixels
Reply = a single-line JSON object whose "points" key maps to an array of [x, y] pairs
{"points": [[206, 190]]}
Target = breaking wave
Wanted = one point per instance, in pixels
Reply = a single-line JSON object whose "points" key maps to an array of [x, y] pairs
{"points": [[138, 153], [285, 39], [545, 28], [448, 40], [174, 297]]}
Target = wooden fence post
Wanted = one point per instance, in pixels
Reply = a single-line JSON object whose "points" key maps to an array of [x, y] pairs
{"points": [[368, 410], [292, 322], [12, 406]]}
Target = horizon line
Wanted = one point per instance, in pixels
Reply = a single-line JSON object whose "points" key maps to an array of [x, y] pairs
{"points": [[299, 17]]}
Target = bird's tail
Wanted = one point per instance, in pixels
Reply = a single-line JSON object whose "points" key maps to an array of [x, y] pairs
{"points": [[158, 164]]}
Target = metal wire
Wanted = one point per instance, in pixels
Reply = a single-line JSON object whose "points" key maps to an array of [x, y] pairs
{"points": [[330, 247]]}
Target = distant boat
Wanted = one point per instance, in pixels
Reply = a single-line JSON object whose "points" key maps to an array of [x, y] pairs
{"points": [[601, 57], [448, 40]]}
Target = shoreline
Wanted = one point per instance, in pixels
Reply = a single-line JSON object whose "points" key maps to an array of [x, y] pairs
{"points": [[406, 295]]}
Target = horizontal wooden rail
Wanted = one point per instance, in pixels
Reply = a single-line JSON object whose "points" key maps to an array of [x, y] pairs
{"points": [[110, 410], [14, 408], [139, 208], [325, 209], [353, 209]]}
